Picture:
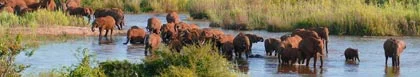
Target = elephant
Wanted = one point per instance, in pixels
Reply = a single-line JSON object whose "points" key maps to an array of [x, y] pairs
{"points": [[270, 45], [154, 25], [289, 42], [228, 49], [172, 17], [175, 44], [104, 23], [208, 34], [191, 36], [311, 47], [220, 42], [168, 31], [194, 26], [152, 43], [48, 4], [135, 35], [181, 26], [254, 39], [7, 9], [290, 56], [323, 32], [24, 11], [393, 49], [284, 37], [81, 11], [73, 3], [241, 44], [117, 13], [351, 54]]}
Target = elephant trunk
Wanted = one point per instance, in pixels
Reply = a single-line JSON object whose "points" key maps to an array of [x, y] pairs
{"points": [[93, 26]]}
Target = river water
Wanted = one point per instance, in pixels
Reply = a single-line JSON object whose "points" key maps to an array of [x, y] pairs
{"points": [[55, 55]]}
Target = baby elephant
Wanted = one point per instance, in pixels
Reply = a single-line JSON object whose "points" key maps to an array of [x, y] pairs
{"points": [[135, 35], [351, 54], [152, 43]]}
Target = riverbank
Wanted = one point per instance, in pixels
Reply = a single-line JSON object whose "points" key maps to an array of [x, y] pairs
{"points": [[60, 30]]}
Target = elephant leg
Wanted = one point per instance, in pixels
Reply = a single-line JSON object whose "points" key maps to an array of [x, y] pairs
{"points": [[100, 34], [386, 60], [326, 46], [393, 61], [106, 33], [358, 59], [110, 35], [128, 40], [398, 60], [322, 61], [315, 59], [279, 57], [307, 61]]}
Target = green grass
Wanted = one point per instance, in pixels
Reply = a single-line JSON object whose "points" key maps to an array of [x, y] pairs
{"points": [[194, 61], [41, 18]]}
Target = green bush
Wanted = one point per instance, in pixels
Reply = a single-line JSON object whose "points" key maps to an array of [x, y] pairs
{"points": [[41, 18]]}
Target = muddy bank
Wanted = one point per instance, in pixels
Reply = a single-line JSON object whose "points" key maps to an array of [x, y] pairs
{"points": [[61, 30]]}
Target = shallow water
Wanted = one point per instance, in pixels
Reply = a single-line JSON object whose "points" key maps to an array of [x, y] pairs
{"points": [[56, 55]]}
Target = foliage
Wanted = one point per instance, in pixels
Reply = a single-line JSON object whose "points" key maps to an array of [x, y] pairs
{"points": [[9, 48]]}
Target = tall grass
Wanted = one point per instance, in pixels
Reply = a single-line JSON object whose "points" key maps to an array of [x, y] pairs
{"points": [[41, 18]]}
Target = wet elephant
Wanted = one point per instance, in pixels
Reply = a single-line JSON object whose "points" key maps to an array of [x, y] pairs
{"points": [[254, 39], [117, 13], [351, 54], [104, 23], [225, 44], [270, 45], [289, 42], [241, 44], [172, 17], [190, 37], [168, 31], [311, 47], [81, 11], [393, 49], [154, 25], [152, 43], [290, 55], [135, 35]]}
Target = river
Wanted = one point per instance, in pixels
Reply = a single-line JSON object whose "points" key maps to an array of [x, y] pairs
{"points": [[56, 55]]}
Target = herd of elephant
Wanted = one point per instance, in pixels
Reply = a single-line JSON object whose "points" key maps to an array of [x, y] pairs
{"points": [[298, 47]]}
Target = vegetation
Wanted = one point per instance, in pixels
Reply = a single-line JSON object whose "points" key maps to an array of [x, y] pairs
{"points": [[10, 47], [194, 61], [41, 18]]}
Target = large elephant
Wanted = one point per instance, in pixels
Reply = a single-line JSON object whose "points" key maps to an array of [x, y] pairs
{"points": [[47, 4], [394, 48], [152, 43], [154, 25], [323, 32], [81, 11], [168, 31], [172, 17], [270, 45], [227, 49], [351, 54], [241, 44], [254, 39], [135, 35], [225, 44], [104, 23], [117, 13], [311, 47]]}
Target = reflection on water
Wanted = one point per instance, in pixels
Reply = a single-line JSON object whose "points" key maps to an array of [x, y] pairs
{"points": [[371, 54], [392, 71]]}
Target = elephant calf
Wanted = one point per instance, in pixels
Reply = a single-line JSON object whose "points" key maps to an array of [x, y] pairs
{"points": [[117, 13], [104, 23], [225, 44], [290, 56], [168, 31], [152, 43], [135, 35], [351, 54], [172, 17], [393, 48]]}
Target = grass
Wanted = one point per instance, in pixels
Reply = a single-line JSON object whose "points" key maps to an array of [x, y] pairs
{"points": [[194, 61], [41, 18]]}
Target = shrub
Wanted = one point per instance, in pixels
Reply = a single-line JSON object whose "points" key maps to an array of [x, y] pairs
{"points": [[41, 18]]}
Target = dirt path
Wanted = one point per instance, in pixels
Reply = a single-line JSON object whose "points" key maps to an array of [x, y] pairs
{"points": [[61, 30]]}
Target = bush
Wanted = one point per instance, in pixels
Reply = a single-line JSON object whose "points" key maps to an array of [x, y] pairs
{"points": [[41, 18], [9, 48]]}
